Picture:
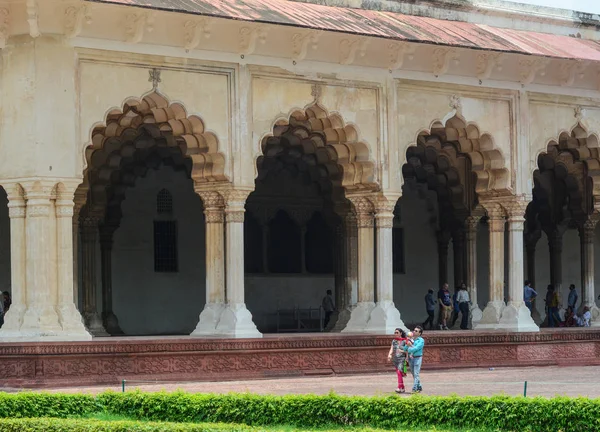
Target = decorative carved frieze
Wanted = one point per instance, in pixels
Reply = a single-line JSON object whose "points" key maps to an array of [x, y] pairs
{"points": [[398, 51], [195, 31], [302, 41], [569, 70], [250, 36], [4, 26], [530, 67], [75, 17], [441, 59], [32, 18], [137, 24], [486, 64], [350, 48]]}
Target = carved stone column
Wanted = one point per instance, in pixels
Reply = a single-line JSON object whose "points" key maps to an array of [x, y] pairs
{"points": [[109, 319], [79, 200], [555, 246], [531, 240], [214, 218], [89, 242], [471, 225], [516, 316], [68, 313], [363, 209], [588, 293], [349, 264], [384, 317], [443, 238], [493, 310], [236, 319], [458, 251], [41, 317], [18, 259]]}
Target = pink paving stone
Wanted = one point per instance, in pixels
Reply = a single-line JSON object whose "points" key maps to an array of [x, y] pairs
{"points": [[542, 381]]}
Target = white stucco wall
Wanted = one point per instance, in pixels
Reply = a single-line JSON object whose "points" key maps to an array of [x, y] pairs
{"points": [[159, 303]]}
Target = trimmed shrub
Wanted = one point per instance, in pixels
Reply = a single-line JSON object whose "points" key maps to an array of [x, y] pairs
{"points": [[26, 404], [72, 425], [393, 412]]}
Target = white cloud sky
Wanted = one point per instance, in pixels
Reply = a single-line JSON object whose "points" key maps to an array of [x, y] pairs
{"points": [[590, 6]]}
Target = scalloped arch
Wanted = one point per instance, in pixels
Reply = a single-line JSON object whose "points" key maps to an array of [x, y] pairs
{"points": [[487, 161], [326, 139], [145, 127]]}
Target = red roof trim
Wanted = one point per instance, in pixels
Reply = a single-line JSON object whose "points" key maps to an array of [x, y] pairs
{"points": [[388, 25]]}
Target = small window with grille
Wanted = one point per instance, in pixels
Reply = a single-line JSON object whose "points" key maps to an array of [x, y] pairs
{"points": [[164, 202]]}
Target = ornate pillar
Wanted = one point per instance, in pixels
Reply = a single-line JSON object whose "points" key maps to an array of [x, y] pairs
{"points": [[458, 251], [109, 319], [443, 238], [588, 293], [236, 319], [214, 218], [349, 264], [531, 240], [68, 313], [359, 318], [79, 199], [18, 259], [384, 317], [493, 310], [516, 316], [555, 246], [89, 241], [41, 317], [471, 225]]}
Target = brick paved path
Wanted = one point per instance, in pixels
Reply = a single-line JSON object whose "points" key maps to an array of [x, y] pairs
{"points": [[542, 381]]}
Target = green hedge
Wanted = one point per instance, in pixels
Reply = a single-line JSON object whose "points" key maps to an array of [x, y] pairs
{"points": [[77, 425], [498, 412]]}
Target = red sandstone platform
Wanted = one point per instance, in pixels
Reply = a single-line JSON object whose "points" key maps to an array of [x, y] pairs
{"points": [[180, 358]]}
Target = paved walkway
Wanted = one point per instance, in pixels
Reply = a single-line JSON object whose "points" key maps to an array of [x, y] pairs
{"points": [[542, 381]]}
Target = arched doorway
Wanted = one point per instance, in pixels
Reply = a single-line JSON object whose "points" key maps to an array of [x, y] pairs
{"points": [[299, 222], [563, 212], [137, 206]]}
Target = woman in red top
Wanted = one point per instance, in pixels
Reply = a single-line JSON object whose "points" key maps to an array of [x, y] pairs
{"points": [[398, 357]]}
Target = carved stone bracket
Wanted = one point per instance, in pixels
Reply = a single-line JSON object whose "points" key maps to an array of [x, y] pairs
{"points": [[195, 31], [350, 48], [569, 70], [32, 18], [75, 17], [249, 37], [302, 41], [530, 67], [441, 60], [137, 24], [398, 51], [4, 26], [487, 63]]}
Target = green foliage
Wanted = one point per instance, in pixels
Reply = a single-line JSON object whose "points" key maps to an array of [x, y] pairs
{"points": [[81, 425], [27, 404], [503, 413]]}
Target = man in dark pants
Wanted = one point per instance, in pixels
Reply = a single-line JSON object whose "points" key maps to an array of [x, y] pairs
{"points": [[463, 300], [328, 307], [430, 307]]}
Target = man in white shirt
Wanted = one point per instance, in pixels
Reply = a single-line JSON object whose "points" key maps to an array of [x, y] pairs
{"points": [[463, 300]]}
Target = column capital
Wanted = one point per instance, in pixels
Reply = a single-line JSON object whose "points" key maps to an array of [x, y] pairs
{"points": [[587, 229], [515, 209], [16, 199], [235, 202], [363, 210], [496, 214], [471, 223], [383, 206], [214, 205]]}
